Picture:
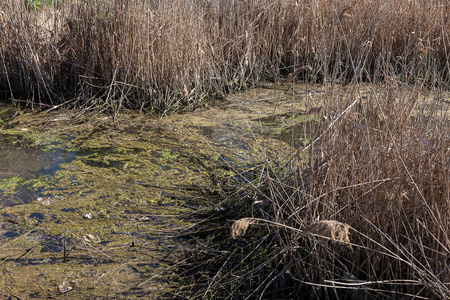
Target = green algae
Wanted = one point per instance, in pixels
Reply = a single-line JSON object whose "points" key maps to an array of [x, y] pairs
{"points": [[307, 118], [104, 222], [132, 186], [9, 185], [167, 154]]}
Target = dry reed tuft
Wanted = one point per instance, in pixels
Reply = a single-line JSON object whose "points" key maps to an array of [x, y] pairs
{"points": [[239, 227], [334, 230]]}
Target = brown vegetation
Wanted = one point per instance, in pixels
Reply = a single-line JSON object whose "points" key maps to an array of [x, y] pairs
{"points": [[382, 166], [361, 211], [379, 166], [168, 54]]}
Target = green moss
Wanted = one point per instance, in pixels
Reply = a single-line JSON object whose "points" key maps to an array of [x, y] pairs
{"points": [[168, 155]]}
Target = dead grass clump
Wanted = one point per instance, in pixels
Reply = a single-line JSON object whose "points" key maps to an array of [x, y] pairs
{"points": [[239, 227], [334, 230]]}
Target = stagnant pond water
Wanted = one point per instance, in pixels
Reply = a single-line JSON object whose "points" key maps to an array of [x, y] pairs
{"points": [[23, 162], [19, 160], [93, 207]]}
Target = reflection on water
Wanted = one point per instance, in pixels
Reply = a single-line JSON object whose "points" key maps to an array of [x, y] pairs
{"points": [[20, 161], [227, 135], [295, 132], [299, 134]]}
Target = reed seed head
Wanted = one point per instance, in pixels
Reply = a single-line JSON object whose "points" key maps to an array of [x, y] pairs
{"points": [[239, 227]]}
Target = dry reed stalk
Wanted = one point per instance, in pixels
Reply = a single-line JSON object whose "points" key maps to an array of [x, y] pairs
{"points": [[294, 74], [150, 15], [344, 15]]}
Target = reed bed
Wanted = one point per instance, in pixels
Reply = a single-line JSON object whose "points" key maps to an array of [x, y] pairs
{"points": [[360, 212], [380, 166], [167, 55]]}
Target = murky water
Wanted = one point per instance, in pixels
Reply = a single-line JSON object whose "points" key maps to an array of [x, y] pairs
{"points": [[17, 160], [19, 163], [295, 132], [101, 220]]}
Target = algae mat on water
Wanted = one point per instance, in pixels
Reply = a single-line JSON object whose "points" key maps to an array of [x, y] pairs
{"points": [[108, 223]]}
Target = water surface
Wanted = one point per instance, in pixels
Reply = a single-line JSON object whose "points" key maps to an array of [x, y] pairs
{"points": [[18, 160]]}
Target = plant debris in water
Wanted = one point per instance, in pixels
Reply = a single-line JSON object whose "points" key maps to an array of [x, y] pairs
{"points": [[105, 223]]}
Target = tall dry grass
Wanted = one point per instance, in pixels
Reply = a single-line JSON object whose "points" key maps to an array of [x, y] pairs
{"points": [[360, 212], [380, 165], [375, 174], [171, 54]]}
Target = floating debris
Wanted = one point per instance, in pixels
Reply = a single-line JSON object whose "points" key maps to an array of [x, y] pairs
{"points": [[65, 287], [45, 201], [88, 216], [91, 239]]}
